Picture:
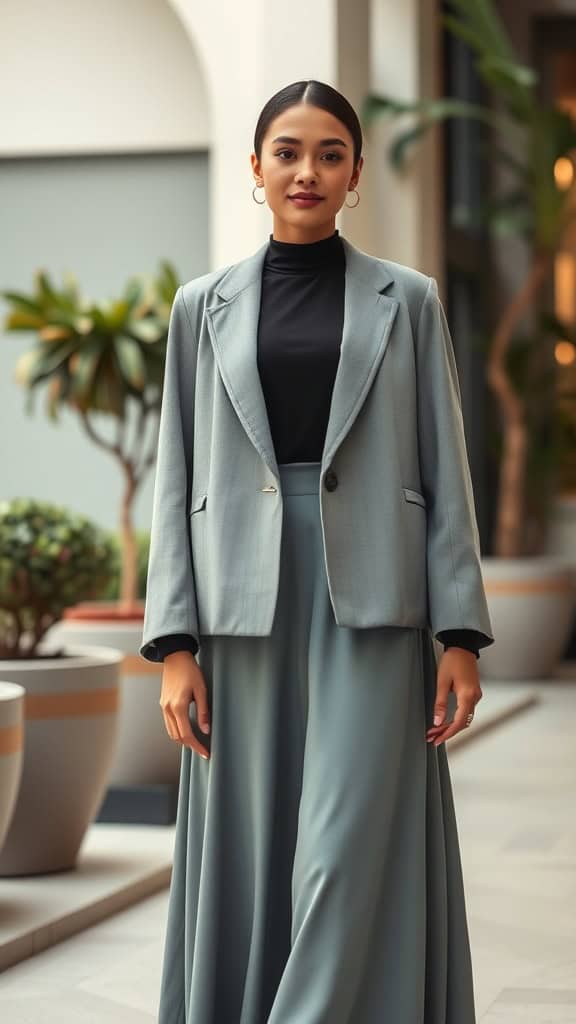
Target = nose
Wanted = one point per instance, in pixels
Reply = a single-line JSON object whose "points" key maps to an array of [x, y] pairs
{"points": [[306, 170], [306, 173]]}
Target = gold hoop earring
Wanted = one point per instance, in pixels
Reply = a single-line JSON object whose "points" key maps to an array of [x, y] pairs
{"points": [[254, 197], [354, 205]]}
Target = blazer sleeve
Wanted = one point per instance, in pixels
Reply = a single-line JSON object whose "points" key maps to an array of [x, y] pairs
{"points": [[170, 589], [456, 596]]}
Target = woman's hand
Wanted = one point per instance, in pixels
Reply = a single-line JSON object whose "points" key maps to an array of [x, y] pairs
{"points": [[182, 682], [457, 670]]}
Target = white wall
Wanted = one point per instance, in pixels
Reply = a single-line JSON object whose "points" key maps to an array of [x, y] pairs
{"points": [[405, 64], [249, 50], [101, 77]]}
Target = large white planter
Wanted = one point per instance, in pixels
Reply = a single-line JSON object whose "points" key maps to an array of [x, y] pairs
{"points": [[70, 725], [561, 540], [531, 603], [11, 750], [561, 532], [144, 753]]}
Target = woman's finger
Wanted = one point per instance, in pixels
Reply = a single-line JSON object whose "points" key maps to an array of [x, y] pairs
{"points": [[463, 709], [170, 723], [181, 711], [202, 712]]}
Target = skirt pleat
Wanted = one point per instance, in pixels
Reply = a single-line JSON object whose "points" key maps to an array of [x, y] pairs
{"points": [[316, 875]]}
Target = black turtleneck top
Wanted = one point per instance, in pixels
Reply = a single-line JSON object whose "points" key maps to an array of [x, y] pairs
{"points": [[298, 349]]}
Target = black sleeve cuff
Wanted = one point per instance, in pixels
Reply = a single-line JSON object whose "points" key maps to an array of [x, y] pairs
{"points": [[175, 642], [467, 638]]}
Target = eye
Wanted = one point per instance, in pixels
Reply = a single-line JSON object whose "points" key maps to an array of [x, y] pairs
{"points": [[290, 152]]}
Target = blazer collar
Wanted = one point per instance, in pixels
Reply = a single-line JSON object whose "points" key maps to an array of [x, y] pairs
{"points": [[368, 318]]}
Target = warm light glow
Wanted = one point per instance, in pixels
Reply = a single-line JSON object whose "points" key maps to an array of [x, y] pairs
{"points": [[565, 353], [563, 172], [565, 286]]}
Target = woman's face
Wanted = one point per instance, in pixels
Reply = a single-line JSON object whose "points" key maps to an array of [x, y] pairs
{"points": [[306, 149]]}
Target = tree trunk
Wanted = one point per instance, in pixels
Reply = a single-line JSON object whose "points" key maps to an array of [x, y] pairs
{"points": [[508, 537], [129, 578]]}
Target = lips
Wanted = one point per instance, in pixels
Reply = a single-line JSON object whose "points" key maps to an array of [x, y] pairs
{"points": [[304, 201]]}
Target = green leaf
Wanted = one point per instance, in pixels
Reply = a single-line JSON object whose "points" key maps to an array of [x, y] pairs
{"points": [[516, 97], [119, 315], [22, 302], [45, 287], [130, 359], [516, 74], [463, 31], [107, 393], [148, 330], [399, 146], [483, 19], [133, 293], [46, 359], [428, 112], [17, 321], [168, 280], [86, 366], [478, 23], [512, 222]]}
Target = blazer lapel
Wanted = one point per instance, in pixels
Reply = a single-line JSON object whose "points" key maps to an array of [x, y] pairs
{"points": [[368, 318]]}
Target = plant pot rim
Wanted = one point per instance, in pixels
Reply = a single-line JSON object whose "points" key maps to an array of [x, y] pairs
{"points": [[104, 611], [75, 656], [11, 691], [547, 562]]}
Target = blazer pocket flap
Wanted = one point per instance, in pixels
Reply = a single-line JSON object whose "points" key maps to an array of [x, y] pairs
{"points": [[411, 495], [198, 503]]}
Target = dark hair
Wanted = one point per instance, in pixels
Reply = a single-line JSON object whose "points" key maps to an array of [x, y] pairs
{"points": [[320, 95]]}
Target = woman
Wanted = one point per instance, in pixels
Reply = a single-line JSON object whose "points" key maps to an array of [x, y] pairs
{"points": [[313, 528]]}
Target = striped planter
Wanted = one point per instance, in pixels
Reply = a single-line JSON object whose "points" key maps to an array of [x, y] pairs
{"points": [[531, 603], [11, 750], [144, 753], [70, 726]]}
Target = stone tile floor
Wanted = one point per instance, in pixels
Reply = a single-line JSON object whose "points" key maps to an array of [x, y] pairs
{"points": [[514, 790], [515, 793]]}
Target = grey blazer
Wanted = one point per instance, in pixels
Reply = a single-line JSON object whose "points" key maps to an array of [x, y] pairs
{"points": [[397, 509]]}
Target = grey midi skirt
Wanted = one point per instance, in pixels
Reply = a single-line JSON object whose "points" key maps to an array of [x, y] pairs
{"points": [[317, 876]]}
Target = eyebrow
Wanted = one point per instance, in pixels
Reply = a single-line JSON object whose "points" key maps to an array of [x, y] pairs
{"points": [[298, 142]]}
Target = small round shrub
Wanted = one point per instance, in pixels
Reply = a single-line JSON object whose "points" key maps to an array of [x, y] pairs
{"points": [[50, 559]]}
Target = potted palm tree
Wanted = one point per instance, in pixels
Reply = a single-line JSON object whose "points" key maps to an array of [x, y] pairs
{"points": [[108, 358], [531, 593], [49, 559], [102, 359]]}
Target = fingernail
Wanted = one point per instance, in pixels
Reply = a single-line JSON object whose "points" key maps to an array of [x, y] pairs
{"points": [[437, 719], [206, 727]]}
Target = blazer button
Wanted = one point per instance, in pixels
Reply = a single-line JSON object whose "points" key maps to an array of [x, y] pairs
{"points": [[330, 480]]}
